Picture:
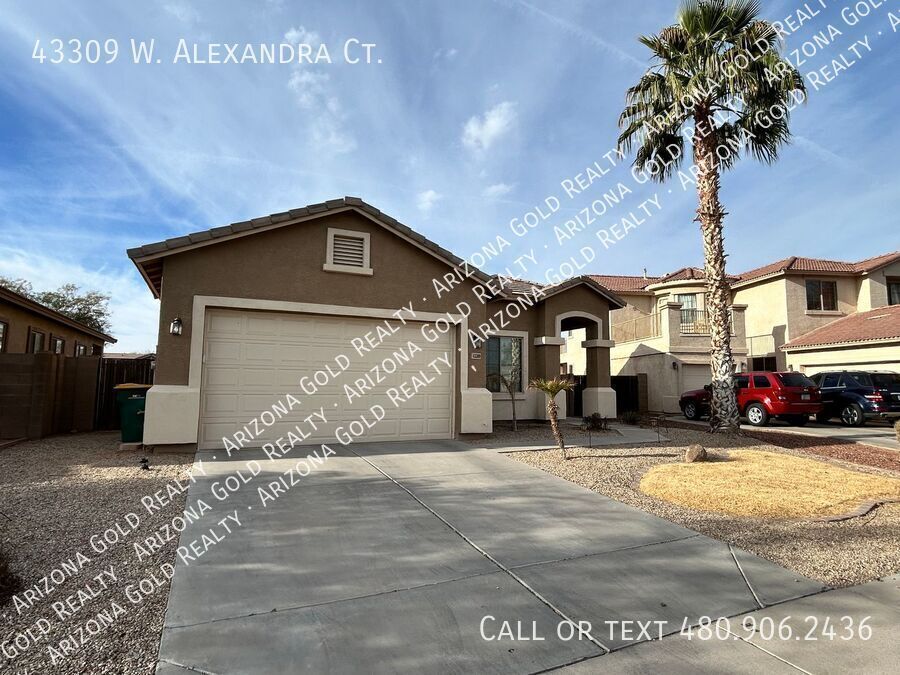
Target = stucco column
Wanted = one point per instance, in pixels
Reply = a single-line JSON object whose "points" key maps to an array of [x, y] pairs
{"points": [[670, 322], [598, 396], [547, 366]]}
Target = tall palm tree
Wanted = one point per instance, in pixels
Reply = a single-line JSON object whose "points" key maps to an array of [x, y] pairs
{"points": [[717, 76], [552, 388]]}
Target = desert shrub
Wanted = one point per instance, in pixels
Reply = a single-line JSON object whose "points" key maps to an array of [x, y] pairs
{"points": [[10, 584], [596, 422], [632, 417]]}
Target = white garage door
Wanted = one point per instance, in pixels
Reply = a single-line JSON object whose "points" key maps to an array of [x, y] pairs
{"points": [[694, 377], [253, 359]]}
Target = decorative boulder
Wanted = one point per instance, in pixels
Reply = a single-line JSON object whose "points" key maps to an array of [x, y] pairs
{"points": [[695, 453]]}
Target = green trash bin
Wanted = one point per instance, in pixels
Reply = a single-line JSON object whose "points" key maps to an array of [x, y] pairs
{"points": [[130, 399]]}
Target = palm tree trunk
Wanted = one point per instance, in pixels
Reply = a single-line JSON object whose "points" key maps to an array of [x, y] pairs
{"points": [[512, 403], [723, 402], [553, 414]]}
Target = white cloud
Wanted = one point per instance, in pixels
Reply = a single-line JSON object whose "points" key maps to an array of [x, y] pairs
{"points": [[182, 11], [300, 35], [313, 93], [497, 190], [480, 133], [427, 199], [447, 54]]}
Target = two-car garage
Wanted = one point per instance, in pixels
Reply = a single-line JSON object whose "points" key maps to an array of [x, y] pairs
{"points": [[253, 359]]}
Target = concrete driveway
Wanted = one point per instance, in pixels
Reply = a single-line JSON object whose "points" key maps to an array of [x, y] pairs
{"points": [[411, 556]]}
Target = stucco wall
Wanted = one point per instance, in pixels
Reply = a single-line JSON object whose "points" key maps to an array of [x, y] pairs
{"points": [[765, 318], [801, 320], [872, 288], [286, 264]]}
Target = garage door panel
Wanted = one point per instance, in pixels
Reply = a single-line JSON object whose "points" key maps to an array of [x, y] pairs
{"points": [[695, 376], [224, 324], [252, 359], [221, 351]]}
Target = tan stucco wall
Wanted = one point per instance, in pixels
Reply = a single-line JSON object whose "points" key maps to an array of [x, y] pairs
{"points": [[881, 357], [286, 264], [800, 321], [872, 288], [766, 317], [19, 320]]}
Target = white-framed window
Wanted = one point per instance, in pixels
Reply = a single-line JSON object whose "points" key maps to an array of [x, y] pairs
{"points": [[348, 251], [506, 354]]}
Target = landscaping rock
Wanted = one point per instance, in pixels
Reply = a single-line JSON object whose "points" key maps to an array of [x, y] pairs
{"points": [[695, 453]]}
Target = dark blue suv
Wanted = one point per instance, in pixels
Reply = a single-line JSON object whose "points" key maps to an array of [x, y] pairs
{"points": [[855, 396]]}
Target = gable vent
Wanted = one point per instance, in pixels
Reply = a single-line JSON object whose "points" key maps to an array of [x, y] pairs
{"points": [[348, 250]]}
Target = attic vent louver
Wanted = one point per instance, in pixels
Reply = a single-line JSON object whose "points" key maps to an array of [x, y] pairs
{"points": [[348, 251]]}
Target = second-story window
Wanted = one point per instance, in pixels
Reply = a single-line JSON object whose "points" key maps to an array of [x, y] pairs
{"points": [[821, 295], [894, 292]]}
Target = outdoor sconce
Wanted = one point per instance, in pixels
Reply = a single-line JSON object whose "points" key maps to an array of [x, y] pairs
{"points": [[175, 326], [674, 365]]}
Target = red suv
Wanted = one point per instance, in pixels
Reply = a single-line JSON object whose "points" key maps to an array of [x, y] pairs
{"points": [[790, 396]]}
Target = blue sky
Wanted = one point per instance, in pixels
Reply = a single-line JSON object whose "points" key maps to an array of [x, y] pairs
{"points": [[475, 114]]}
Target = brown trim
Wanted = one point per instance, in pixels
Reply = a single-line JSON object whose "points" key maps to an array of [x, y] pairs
{"points": [[51, 348], [4, 339], [29, 347]]}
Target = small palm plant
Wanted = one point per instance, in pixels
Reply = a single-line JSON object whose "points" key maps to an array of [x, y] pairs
{"points": [[552, 388]]}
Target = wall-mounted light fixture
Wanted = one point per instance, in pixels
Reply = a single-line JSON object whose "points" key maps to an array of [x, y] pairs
{"points": [[175, 326], [674, 365]]}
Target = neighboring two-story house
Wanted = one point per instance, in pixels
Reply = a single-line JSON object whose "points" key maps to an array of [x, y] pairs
{"points": [[794, 314]]}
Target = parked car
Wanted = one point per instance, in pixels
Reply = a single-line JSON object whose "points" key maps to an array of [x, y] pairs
{"points": [[762, 395], [855, 396]]}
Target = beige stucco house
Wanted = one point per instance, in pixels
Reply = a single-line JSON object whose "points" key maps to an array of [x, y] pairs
{"points": [[661, 334], [335, 322]]}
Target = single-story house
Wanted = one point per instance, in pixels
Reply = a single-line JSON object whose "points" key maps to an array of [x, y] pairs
{"points": [[28, 327], [861, 341], [337, 310]]}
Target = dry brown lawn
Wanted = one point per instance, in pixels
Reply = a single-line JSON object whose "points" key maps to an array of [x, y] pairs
{"points": [[762, 484]]}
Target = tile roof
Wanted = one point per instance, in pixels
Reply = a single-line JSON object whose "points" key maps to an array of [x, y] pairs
{"points": [[143, 256], [798, 264], [876, 324], [624, 284]]}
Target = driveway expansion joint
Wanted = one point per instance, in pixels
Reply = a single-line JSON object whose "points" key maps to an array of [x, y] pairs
{"points": [[325, 603], [744, 577], [487, 555], [611, 551], [190, 669]]}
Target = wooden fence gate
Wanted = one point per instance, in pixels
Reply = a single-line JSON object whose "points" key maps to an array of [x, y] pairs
{"points": [[113, 372]]}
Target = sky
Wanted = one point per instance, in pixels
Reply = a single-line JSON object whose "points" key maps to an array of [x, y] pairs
{"points": [[469, 116]]}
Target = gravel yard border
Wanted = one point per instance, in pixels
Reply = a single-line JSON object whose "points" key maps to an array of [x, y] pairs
{"points": [[59, 492], [841, 553]]}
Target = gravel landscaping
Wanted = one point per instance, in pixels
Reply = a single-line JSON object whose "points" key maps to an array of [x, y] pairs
{"points": [[838, 553], [60, 494]]}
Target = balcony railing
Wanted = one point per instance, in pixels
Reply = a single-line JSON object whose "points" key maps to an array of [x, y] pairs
{"points": [[696, 322], [640, 328]]}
